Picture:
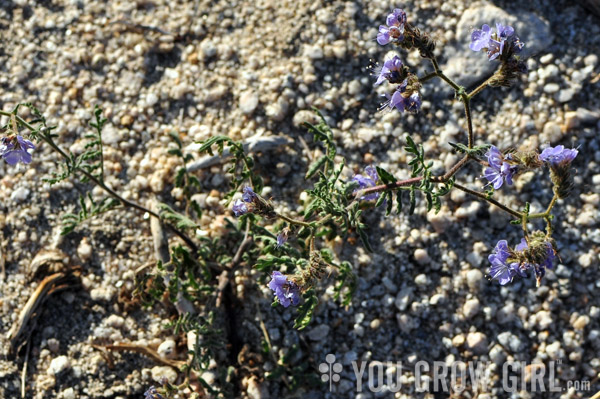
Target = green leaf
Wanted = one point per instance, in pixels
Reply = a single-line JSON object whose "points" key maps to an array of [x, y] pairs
{"points": [[365, 240], [413, 201], [315, 166], [384, 175], [306, 310], [399, 201]]}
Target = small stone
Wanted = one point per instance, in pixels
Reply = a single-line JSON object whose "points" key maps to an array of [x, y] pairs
{"points": [[248, 102], [591, 60], [151, 99], [554, 351], [58, 365], [474, 279], [497, 354], [544, 319], [551, 88], [477, 342], [84, 250], [404, 298], [20, 194], [126, 120], [571, 120], [511, 341], [565, 95], [547, 58], [458, 340], [160, 372], [68, 393], [421, 256], [115, 321], [470, 308], [283, 169], [319, 333], [53, 345], [421, 280], [587, 117], [551, 132], [167, 349], [581, 322]]}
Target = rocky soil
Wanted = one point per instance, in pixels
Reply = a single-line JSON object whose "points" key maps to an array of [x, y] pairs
{"points": [[252, 69]]}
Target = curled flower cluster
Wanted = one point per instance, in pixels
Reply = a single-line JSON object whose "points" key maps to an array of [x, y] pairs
{"points": [[254, 203], [499, 169], [244, 205], [538, 255], [406, 97], [393, 31], [369, 179], [502, 43], [15, 149], [286, 291], [559, 159]]}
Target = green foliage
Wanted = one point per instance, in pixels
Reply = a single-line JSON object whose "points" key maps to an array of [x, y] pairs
{"points": [[241, 170], [322, 133], [92, 159], [346, 283], [306, 310], [476, 151], [89, 209], [180, 221]]}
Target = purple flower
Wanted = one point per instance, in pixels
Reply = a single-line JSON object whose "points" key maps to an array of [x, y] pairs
{"points": [[369, 180], [413, 102], [286, 291], [558, 154], [239, 208], [282, 237], [391, 71], [394, 31], [249, 195], [504, 32], [151, 393], [16, 150], [499, 171], [402, 101], [480, 38], [500, 269], [495, 43]]}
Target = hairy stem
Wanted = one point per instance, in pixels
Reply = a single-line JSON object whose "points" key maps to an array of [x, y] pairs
{"points": [[492, 201]]}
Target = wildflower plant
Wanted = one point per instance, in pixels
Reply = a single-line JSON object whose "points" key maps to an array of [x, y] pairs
{"points": [[291, 249]]}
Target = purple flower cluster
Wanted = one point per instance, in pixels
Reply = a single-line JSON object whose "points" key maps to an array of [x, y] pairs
{"points": [[402, 102], [495, 44], [392, 71], [558, 155], [499, 170], [15, 150], [500, 269], [241, 207], [506, 265], [393, 31], [368, 180], [286, 291]]}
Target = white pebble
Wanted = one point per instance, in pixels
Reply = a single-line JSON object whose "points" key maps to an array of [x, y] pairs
{"points": [[58, 365]]}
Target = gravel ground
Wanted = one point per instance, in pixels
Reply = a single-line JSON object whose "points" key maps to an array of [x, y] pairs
{"points": [[255, 68]]}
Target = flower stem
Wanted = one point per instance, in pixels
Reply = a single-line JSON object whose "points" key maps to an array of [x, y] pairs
{"points": [[492, 201], [294, 221]]}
